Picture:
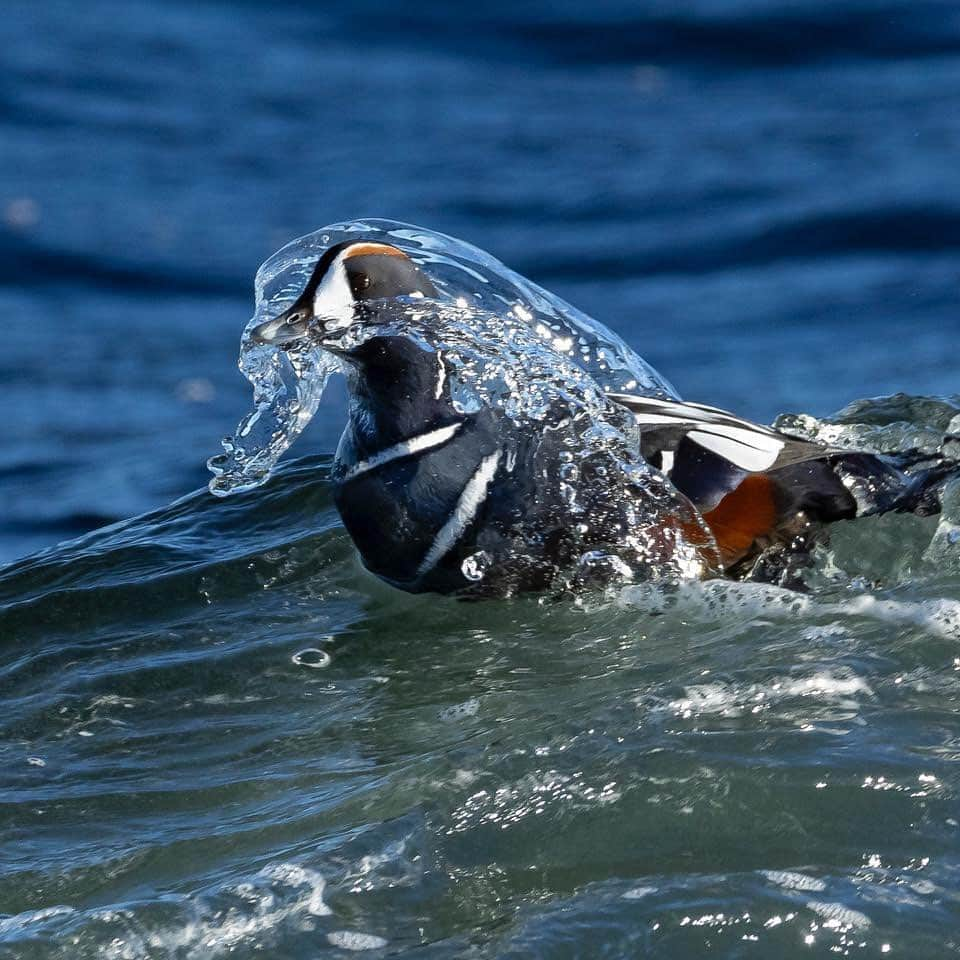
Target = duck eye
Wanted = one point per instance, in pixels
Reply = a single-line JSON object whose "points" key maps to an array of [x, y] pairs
{"points": [[294, 317]]}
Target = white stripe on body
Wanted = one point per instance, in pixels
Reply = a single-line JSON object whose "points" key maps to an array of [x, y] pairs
{"points": [[463, 513], [406, 448]]}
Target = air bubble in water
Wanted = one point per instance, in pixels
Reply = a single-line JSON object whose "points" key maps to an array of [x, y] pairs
{"points": [[312, 657], [600, 567], [475, 566]]}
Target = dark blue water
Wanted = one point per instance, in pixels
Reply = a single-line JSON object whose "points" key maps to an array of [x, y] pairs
{"points": [[763, 198]]}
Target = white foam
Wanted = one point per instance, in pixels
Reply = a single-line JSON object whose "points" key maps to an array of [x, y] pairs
{"points": [[459, 711], [791, 880], [352, 940], [709, 698], [297, 875], [734, 700], [705, 601], [838, 917], [280, 894], [19, 922], [638, 893]]}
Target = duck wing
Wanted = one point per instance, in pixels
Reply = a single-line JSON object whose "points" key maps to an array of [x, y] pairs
{"points": [[754, 486]]}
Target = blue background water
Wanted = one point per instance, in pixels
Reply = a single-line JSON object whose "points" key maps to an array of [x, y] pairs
{"points": [[762, 197]]}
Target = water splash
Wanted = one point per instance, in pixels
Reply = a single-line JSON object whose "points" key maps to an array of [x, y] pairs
{"points": [[927, 426], [287, 387], [505, 345], [510, 343], [893, 424]]}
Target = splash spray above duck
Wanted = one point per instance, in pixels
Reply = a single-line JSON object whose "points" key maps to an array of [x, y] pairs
{"points": [[500, 441]]}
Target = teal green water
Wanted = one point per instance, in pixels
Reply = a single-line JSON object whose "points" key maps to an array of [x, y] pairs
{"points": [[727, 770]]}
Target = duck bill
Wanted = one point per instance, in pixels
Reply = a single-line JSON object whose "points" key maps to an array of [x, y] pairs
{"points": [[282, 331]]}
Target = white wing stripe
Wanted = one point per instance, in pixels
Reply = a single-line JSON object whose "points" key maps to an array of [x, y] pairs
{"points": [[463, 513], [756, 441], [743, 455], [643, 418], [406, 448], [738, 430], [674, 411]]}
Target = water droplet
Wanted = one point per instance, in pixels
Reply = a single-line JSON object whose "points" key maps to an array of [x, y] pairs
{"points": [[476, 565]]}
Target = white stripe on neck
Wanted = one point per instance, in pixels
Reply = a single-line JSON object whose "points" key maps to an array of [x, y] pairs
{"points": [[466, 509], [406, 448]]}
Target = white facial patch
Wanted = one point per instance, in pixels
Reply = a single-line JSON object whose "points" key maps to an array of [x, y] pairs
{"points": [[333, 302]]}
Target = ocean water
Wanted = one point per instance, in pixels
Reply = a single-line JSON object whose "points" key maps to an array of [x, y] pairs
{"points": [[221, 737]]}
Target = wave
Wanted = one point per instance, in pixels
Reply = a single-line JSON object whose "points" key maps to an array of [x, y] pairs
{"points": [[730, 34], [26, 263], [802, 235], [805, 235]]}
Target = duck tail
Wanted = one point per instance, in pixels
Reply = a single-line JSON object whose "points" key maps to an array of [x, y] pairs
{"points": [[911, 481]]}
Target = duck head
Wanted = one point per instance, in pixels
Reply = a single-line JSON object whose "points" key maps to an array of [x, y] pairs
{"points": [[347, 276]]}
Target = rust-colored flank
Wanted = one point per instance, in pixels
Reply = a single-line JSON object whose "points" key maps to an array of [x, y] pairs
{"points": [[743, 516]]}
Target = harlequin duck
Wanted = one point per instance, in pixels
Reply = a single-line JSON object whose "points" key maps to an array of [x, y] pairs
{"points": [[438, 498]]}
